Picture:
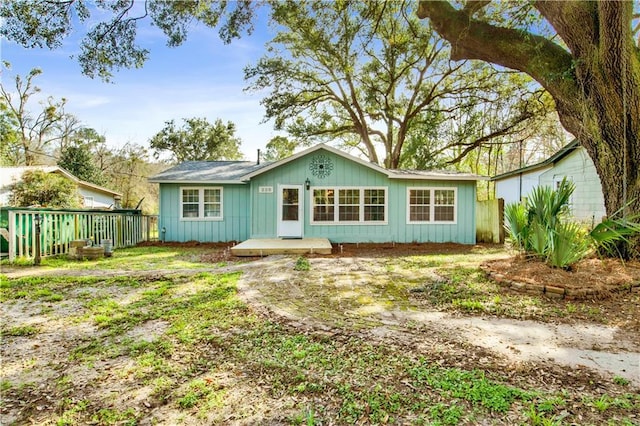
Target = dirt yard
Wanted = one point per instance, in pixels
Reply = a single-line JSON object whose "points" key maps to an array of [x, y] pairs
{"points": [[161, 340], [363, 292]]}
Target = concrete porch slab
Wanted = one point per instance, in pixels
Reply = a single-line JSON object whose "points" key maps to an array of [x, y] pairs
{"points": [[264, 247]]}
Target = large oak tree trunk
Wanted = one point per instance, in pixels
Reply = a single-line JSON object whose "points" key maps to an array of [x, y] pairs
{"points": [[595, 83]]}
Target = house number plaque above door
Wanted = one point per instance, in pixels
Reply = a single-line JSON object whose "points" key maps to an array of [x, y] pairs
{"points": [[321, 166]]}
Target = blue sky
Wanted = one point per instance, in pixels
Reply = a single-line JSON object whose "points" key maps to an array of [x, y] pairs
{"points": [[201, 78]]}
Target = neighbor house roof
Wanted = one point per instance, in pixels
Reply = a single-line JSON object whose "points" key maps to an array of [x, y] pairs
{"points": [[11, 175], [563, 152], [242, 171]]}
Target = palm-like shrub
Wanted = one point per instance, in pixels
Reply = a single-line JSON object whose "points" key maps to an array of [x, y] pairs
{"points": [[568, 244], [516, 225], [541, 226]]}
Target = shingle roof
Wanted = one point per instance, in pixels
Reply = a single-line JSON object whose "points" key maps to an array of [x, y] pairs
{"points": [[208, 171], [11, 175], [434, 174], [242, 171]]}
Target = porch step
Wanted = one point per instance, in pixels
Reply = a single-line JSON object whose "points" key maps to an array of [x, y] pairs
{"points": [[265, 247]]}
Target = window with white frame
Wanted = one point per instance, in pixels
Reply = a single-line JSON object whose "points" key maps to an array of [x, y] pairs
{"points": [[201, 203], [431, 205], [88, 201], [374, 205], [324, 205], [349, 205]]}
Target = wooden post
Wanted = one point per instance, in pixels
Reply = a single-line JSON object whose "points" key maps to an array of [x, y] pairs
{"points": [[12, 236], [36, 258]]}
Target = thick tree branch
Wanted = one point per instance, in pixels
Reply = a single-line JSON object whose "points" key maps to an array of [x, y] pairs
{"points": [[473, 6], [563, 15], [545, 61]]}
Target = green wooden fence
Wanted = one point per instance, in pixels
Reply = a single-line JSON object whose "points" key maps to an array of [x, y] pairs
{"points": [[125, 228]]}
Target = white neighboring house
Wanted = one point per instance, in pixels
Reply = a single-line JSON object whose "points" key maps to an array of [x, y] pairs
{"points": [[572, 162], [93, 196]]}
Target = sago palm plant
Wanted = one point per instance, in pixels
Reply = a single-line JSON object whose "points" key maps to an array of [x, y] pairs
{"points": [[541, 226]]}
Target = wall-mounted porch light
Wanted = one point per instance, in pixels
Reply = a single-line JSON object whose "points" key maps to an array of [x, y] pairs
{"points": [[307, 184]]}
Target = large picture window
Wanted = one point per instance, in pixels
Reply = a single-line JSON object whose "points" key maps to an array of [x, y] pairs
{"points": [[431, 205], [201, 203], [349, 205]]}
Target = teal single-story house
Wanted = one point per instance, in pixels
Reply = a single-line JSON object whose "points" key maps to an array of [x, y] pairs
{"points": [[321, 192]]}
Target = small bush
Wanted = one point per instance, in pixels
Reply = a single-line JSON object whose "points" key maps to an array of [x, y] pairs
{"points": [[302, 264]]}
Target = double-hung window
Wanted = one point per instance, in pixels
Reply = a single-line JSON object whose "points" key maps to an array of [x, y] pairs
{"points": [[431, 205], [349, 205], [324, 205], [201, 203]]}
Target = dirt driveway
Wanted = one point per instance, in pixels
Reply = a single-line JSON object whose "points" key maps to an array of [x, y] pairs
{"points": [[376, 298]]}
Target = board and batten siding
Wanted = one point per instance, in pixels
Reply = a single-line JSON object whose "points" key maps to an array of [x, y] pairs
{"points": [[234, 225], [346, 173], [587, 202]]}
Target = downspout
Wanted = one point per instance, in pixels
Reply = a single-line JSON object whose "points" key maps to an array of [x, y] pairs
{"points": [[520, 187]]}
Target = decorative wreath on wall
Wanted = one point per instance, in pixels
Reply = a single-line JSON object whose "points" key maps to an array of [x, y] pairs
{"points": [[321, 166]]}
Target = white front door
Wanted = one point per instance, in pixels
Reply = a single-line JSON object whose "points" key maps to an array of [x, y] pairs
{"points": [[290, 213]]}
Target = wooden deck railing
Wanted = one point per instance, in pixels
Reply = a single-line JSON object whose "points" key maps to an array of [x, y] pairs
{"points": [[58, 228]]}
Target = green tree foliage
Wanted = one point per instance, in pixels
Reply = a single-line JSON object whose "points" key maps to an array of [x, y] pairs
{"points": [[38, 188], [109, 28], [370, 74], [197, 139], [585, 54], [9, 151], [79, 160], [382, 42], [128, 170], [30, 135], [279, 147]]}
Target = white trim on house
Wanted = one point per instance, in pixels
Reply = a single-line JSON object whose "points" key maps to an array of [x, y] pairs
{"points": [[201, 204], [336, 206], [313, 149], [290, 228], [432, 205], [200, 182]]}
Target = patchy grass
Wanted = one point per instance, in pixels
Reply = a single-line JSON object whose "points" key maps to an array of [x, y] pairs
{"points": [[24, 330], [186, 349], [145, 258], [461, 286]]}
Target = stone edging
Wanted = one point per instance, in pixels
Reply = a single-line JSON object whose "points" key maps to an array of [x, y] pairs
{"points": [[533, 288]]}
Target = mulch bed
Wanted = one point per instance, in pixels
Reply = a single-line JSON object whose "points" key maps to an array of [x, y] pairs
{"points": [[592, 278]]}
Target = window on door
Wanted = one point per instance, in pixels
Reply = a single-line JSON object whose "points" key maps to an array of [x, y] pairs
{"points": [[290, 203]]}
